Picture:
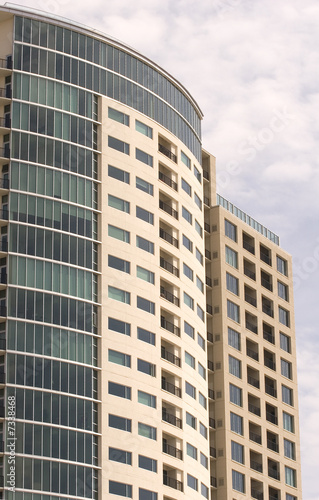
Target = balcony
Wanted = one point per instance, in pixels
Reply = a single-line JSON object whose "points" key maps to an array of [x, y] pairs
{"points": [[249, 269], [213, 481], [256, 465], [272, 442], [167, 152], [212, 452], [274, 494], [257, 494], [210, 337], [268, 333], [164, 264], [6, 63], [169, 387], [252, 350], [253, 436], [207, 201], [254, 405], [207, 227], [209, 309], [3, 311], [250, 296], [211, 394], [168, 237], [168, 209], [251, 323], [266, 280], [209, 281], [253, 381], [169, 326], [167, 180], [5, 152], [6, 92], [5, 121], [165, 294], [172, 482], [248, 243], [267, 307], [4, 184], [172, 450], [171, 419], [169, 356], [210, 365], [265, 255], [256, 489], [271, 414], [269, 360], [273, 470], [270, 387], [212, 423], [206, 175], [208, 255]]}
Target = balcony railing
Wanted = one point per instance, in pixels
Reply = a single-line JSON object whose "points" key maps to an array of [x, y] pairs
{"points": [[254, 409], [250, 326], [173, 389], [168, 209], [266, 284], [169, 356], [209, 281], [271, 418], [256, 466], [268, 310], [253, 381], [257, 494], [207, 227], [164, 178], [5, 152], [210, 337], [164, 264], [274, 497], [208, 255], [206, 175], [165, 294], [2, 378], [249, 247], [269, 337], [211, 393], [167, 152], [265, 258], [172, 483], [1, 446], [3, 344], [207, 201], [274, 473], [3, 311], [6, 63], [252, 354], [251, 300], [213, 482], [6, 92], [168, 237], [4, 183], [210, 365], [212, 423], [209, 309], [270, 390], [270, 363], [255, 437], [173, 451], [171, 419], [5, 121], [272, 445], [167, 325], [249, 273], [212, 452]]}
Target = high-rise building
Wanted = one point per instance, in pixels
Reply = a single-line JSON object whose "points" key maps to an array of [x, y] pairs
{"points": [[146, 324]]}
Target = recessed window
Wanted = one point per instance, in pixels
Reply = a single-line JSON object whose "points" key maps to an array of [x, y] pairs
{"points": [[290, 497], [144, 157], [120, 146], [118, 204], [143, 129], [147, 431], [235, 395], [187, 243], [146, 336], [122, 456], [283, 291], [197, 174], [202, 400], [119, 390], [203, 460], [118, 233], [233, 311], [121, 423], [146, 367], [232, 284], [201, 371], [192, 482], [204, 491], [146, 245], [147, 463], [119, 326], [189, 330], [121, 489], [234, 338], [145, 274], [290, 477], [198, 201], [230, 230], [146, 494], [145, 305], [201, 341], [188, 300], [190, 420], [185, 160], [237, 452], [118, 116], [187, 215], [186, 187], [191, 451], [234, 366], [203, 430], [199, 256], [236, 423], [289, 449], [119, 264], [188, 271], [119, 358], [282, 266], [287, 395], [189, 360], [231, 257], [288, 422], [200, 313], [285, 342], [284, 318], [120, 175], [286, 368], [144, 186], [146, 399], [198, 228], [190, 390], [118, 294], [238, 481], [145, 215]]}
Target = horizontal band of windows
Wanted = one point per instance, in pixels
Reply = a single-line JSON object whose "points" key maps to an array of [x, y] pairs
{"points": [[47, 407], [53, 183], [52, 123], [54, 65], [52, 309], [56, 95], [55, 442], [49, 276], [52, 375], [55, 477], [53, 245], [53, 153], [49, 341], [50, 213]]}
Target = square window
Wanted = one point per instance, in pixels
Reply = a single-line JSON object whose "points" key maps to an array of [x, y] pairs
{"points": [[289, 449], [287, 395], [284, 318], [290, 477], [283, 291], [288, 422], [191, 451]]}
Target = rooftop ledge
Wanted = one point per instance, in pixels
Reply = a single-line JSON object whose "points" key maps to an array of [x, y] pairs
{"points": [[246, 218]]}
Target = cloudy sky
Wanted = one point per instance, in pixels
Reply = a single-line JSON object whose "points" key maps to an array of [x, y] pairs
{"points": [[253, 68]]}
